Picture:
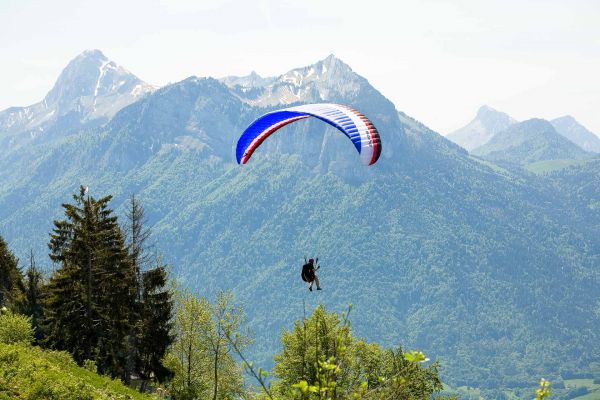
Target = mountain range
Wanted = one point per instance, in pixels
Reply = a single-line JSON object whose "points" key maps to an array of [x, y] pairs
{"points": [[528, 142], [491, 270], [493, 135]]}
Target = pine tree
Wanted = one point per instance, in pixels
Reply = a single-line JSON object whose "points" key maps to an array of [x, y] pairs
{"points": [[116, 300], [91, 297], [138, 235], [33, 296], [11, 280], [155, 326], [65, 320], [154, 304]]}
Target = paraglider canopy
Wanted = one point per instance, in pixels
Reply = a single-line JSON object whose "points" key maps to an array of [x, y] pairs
{"points": [[352, 123]]}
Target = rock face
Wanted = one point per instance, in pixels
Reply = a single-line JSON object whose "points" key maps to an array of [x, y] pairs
{"points": [[577, 133], [327, 79], [89, 91], [480, 130], [529, 141]]}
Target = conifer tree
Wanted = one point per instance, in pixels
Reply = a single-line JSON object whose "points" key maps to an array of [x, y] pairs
{"points": [[151, 335], [154, 334], [11, 280], [33, 296], [138, 235], [91, 297]]}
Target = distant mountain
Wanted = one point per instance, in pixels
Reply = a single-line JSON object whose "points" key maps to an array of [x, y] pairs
{"points": [[480, 130], [528, 142], [479, 266], [88, 92], [577, 133], [247, 82]]}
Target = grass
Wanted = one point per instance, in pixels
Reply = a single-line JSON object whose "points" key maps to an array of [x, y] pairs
{"points": [[494, 167], [28, 372], [545, 166], [594, 388]]}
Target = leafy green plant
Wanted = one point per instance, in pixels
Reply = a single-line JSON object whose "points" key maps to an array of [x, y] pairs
{"points": [[29, 372], [544, 390], [200, 356], [15, 328]]}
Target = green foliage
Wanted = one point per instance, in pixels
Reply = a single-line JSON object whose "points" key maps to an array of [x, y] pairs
{"points": [[200, 357], [322, 360], [32, 373], [11, 280], [15, 328], [544, 390]]}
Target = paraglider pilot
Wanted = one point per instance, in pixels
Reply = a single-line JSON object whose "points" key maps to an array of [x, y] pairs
{"points": [[309, 274]]}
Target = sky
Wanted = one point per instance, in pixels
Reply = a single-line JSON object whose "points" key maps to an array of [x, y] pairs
{"points": [[437, 61]]}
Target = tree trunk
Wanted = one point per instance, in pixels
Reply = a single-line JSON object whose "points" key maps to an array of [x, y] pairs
{"points": [[216, 373]]}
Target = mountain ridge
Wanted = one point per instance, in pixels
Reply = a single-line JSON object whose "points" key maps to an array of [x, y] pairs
{"points": [[570, 128], [312, 83], [482, 128], [530, 141]]}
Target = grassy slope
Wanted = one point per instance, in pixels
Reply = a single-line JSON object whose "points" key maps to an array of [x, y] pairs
{"points": [[32, 373], [544, 166]]}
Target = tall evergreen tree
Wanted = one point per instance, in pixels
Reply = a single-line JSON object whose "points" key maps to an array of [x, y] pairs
{"points": [[91, 297], [154, 304], [33, 296], [138, 234], [11, 280], [154, 335]]}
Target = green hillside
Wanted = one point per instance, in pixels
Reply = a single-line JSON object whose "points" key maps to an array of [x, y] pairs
{"points": [[545, 166], [28, 372]]}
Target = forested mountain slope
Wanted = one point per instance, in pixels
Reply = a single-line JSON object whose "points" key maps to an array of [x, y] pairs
{"points": [[494, 272]]}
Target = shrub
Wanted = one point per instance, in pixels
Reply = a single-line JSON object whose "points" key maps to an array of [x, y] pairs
{"points": [[15, 328]]}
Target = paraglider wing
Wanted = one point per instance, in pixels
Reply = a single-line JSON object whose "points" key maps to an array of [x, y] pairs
{"points": [[353, 124]]}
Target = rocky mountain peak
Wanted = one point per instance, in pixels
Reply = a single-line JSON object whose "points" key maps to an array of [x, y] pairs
{"points": [[493, 119], [482, 128], [324, 80], [90, 76], [570, 128], [90, 88]]}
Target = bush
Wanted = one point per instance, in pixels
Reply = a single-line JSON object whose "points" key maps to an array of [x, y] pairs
{"points": [[29, 372], [15, 328]]}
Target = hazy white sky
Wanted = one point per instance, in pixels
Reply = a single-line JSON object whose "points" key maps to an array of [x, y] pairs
{"points": [[438, 61]]}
